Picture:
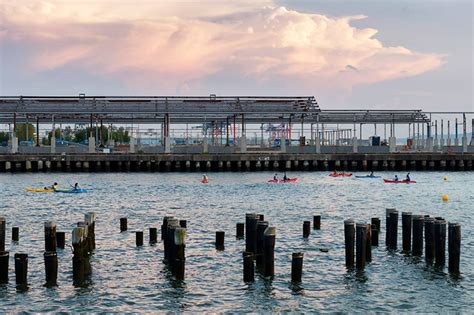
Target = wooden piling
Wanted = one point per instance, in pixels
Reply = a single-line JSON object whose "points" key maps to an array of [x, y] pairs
{"points": [[368, 244], [80, 259], [317, 222], [15, 234], [51, 268], [60, 239], [406, 231], [251, 221], [454, 247], [139, 238], [269, 251], [296, 267], [375, 222], [123, 224], [180, 259], [392, 228], [429, 240], [374, 234], [387, 225], [89, 219], [349, 237], [259, 254], [440, 242], [220, 236], [21, 269], [306, 229], [417, 244], [239, 230], [164, 226], [261, 217], [3, 226], [153, 235], [4, 260], [361, 245], [50, 236], [249, 269], [172, 224], [86, 240]]}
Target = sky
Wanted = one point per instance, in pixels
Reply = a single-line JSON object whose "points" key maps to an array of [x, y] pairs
{"points": [[359, 54]]}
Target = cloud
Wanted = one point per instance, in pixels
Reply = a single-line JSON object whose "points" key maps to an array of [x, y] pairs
{"points": [[175, 45]]}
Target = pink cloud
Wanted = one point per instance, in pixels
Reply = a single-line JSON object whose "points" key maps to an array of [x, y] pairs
{"points": [[174, 45]]}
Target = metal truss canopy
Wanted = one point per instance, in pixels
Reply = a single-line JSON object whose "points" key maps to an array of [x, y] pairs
{"points": [[190, 109]]}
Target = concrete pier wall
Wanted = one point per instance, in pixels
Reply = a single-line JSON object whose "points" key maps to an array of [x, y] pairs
{"points": [[261, 161]]}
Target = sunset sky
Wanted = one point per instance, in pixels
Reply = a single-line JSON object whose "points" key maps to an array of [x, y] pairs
{"points": [[348, 54]]}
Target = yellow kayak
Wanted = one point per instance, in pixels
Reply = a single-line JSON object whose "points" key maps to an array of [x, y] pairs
{"points": [[41, 190]]}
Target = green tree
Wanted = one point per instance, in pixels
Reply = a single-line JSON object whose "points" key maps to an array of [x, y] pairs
{"points": [[25, 132], [47, 141], [121, 135], [81, 134], [67, 134], [4, 136]]}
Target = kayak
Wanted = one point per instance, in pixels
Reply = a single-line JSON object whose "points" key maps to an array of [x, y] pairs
{"points": [[367, 176], [39, 190], [340, 175], [71, 190], [204, 181], [290, 180], [399, 181]]}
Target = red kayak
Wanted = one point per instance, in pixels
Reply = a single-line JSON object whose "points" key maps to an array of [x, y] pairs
{"points": [[399, 181], [340, 175], [290, 180]]}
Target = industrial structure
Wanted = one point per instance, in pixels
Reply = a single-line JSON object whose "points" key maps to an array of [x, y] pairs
{"points": [[281, 126]]}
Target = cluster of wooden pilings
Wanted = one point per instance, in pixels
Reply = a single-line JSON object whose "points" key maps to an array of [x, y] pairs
{"points": [[259, 251], [364, 236], [83, 242], [173, 235]]}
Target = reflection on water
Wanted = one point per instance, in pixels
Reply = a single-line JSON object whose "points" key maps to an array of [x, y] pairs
{"points": [[126, 279]]}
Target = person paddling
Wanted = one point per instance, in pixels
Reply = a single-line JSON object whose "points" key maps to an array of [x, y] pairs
{"points": [[275, 177], [396, 178], [371, 174], [54, 186], [76, 186], [408, 177], [285, 177]]}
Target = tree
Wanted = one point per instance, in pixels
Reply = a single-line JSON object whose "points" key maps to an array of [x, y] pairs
{"points": [[121, 135], [25, 132], [4, 137]]}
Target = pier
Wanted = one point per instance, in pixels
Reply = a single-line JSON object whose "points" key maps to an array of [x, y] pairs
{"points": [[225, 133], [234, 162]]}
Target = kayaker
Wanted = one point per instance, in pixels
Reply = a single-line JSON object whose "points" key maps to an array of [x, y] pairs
{"points": [[284, 177], [334, 173], [396, 178], [371, 174], [408, 177], [54, 186], [275, 177], [204, 178], [76, 186]]}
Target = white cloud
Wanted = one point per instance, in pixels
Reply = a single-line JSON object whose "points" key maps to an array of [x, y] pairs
{"points": [[173, 44]]}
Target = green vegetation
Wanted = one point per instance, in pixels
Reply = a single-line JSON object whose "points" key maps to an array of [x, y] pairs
{"points": [[25, 132], [81, 135], [4, 136]]}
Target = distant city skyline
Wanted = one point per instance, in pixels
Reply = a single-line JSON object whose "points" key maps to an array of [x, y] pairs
{"points": [[348, 54]]}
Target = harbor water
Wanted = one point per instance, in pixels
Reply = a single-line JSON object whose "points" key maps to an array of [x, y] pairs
{"points": [[126, 278]]}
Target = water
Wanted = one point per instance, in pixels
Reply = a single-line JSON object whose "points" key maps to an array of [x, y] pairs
{"points": [[129, 279]]}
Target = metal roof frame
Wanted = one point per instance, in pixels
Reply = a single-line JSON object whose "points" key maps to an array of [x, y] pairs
{"points": [[190, 109]]}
